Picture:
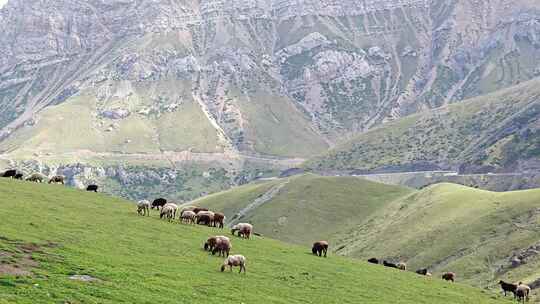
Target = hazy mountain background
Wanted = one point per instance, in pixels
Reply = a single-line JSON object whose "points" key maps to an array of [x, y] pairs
{"points": [[190, 97]]}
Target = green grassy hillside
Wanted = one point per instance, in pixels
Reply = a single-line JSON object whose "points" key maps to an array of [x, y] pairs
{"points": [[494, 132], [445, 227], [305, 208], [448, 227], [51, 233]]}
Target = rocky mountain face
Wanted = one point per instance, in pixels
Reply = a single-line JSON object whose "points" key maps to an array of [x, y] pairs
{"points": [[221, 79]]}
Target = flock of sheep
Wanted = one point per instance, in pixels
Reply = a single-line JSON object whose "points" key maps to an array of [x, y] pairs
{"points": [[521, 291], [222, 245], [195, 215], [219, 244], [37, 177]]}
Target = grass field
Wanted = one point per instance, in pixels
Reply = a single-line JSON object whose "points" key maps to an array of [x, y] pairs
{"points": [[445, 227], [54, 233], [306, 207], [449, 227]]}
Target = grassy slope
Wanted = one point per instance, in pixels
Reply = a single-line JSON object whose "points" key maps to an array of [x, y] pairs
{"points": [[143, 260], [275, 127], [449, 227], [445, 227], [307, 207], [486, 130], [73, 126]]}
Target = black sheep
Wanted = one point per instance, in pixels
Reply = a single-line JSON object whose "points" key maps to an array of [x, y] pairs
{"points": [[508, 287], [373, 261], [423, 271], [92, 188], [159, 202], [388, 264], [319, 248], [9, 173]]}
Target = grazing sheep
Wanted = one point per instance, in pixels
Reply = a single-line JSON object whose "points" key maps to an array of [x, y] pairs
{"points": [[159, 202], [188, 216], [423, 271], [401, 266], [57, 179], [167, 212], [219, 219], [187, 208], [9, 173], [428, 274], [36, 178], [213, 240], [206, 217], [143, 208], [203, 219], [234, 260], [508, 287], [244, 230], [388, 264], [210, 243], [522, 292], [319, 248], [18, 176], [223, 246], [92, 188], [449, 276], [174, 206], [199, 209], [373, 261]]}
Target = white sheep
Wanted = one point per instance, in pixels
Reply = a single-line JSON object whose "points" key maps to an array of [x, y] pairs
{"points": [[167, 212], [188, 216], [234, 260], [244, 230], [143, 208], [174, 207]]}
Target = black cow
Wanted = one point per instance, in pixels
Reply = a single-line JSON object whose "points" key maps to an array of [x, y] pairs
{"points": [[18, 176]]}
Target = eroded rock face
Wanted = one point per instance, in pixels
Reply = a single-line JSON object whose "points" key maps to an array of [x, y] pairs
{"points": [[346, 65]]}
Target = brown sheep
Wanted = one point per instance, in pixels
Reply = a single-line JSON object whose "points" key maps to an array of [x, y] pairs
{"points": [[213, 240], [244, 230], [199, 209], [223, 246], [219, 219], [57, 179], [210, 243], [36, 178], [204, 219], [319, 248], [449, 276], [234, 260], [401, 266]]}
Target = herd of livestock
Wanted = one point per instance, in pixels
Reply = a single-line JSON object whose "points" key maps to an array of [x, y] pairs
{"points": [[219, 244], [222, 245]]}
